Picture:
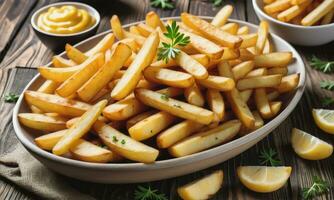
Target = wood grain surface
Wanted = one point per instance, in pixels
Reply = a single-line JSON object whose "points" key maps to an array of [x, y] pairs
{"points": [[20, 47]]}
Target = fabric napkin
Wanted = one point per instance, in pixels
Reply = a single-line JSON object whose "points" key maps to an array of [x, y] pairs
{"points": [[22, 169]]}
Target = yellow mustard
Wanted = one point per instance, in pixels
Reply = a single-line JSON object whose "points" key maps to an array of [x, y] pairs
{"points": [[65, 20]]}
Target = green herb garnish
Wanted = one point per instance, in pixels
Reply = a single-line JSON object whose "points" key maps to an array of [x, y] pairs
{"points": [[217, 3], [269, 157], [123, 141], [114, 139], [324, 66], [164, 97], [170, 50], [327, 101], [327, 85], [143, 193], [164, 4], [11, 98], [318, 187]]}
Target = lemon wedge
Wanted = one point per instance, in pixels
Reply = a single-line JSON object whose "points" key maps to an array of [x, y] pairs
{"points": [[262, 178], [324, 119], [309, 147]]}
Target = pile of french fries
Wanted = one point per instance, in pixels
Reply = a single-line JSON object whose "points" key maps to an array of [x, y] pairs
{"points": [[301, 12], [117, 102]]}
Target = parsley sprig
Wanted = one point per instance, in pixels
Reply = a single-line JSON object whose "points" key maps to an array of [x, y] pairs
{"points": [[177, 39], [217, 3], [321, 65], [11, 98], [269, 157], [327, 85], [143, 193], [318, 187], [164, 4], [327, 101]]}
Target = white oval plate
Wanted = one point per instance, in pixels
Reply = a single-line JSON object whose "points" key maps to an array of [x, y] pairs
{"points": [[139, 172]]}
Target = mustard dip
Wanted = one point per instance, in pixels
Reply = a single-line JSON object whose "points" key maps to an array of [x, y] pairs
{"points": [[65, 20]]}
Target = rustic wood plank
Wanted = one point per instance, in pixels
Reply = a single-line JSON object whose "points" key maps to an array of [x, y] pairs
{"points": [[14, 80], [13, 14]]}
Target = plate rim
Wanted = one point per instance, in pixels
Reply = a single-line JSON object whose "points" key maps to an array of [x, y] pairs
{"points": [[173, 162]]}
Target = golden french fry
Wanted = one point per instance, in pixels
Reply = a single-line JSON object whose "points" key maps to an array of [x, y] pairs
{"points": [[230, 54], [168, 77], [203, 59], [246, 94], [56, 104], [204, 45], [204, 140], [60, 62], [262, 103], [116, 27], [124, 145], [151, 126], [89, 152], [248, 40], [268, 47], [275, 59], [133, 74], [47, 87], [104, 74], [75, 54], [203, 188], [246, 55], [48, 141], [240, 108], [242, 69], [62, 74], [277, 70], [173, 106], [277, 6], [273, 95], [42, 122], [218, 83], [80, 128], [269, 1], [262, 33], [243, 30], [297, 2], [102, 46], [257, 72], [138, 38], [130, 106], [210, 31], [231, 28], [144, 29], [224, 69], [191, 66], [222, 16], [288, 83], [216, 103], [134, 30], [275, 107], [74, 82], [153, 20], [177, 132], [134, 120], [293, 11], [315, 15], [327, 19], [258, 124], [259, 82], [194, 96]]}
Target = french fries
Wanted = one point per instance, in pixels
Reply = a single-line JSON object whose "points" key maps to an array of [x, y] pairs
{"points": [[168, 77], [132, 75], [301, 12], [175, 107], [206, 139], [97, 105], [42, 122], [104, 74], [79, 128]]}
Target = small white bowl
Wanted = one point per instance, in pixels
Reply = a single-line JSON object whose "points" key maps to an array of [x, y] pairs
{"points": [[56, 42], [296, 34]]}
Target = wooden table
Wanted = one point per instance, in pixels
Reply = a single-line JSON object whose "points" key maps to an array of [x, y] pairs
{"points": [[21, 52]]}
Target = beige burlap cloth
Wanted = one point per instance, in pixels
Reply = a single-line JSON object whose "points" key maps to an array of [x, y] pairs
{"points": [[20, 168]]}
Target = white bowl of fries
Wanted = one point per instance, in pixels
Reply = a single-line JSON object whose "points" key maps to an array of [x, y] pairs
{"points": [[164, 125], [307, 24]]}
